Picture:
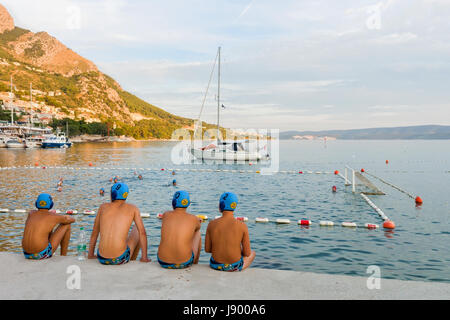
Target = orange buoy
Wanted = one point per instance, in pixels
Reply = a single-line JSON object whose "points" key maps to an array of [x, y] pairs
{"points": [[36, 164], [419, 200], [388, 224], [336, 172], [387, 161], [362, 170], [90, 164]]}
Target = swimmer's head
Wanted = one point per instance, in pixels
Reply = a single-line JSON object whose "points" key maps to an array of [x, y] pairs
{"points": [[119, 191], [140, 177], [102, 191], [228, 201], [181, 199], [173, 173], [44, 201], [174, 182], [116, 180]]}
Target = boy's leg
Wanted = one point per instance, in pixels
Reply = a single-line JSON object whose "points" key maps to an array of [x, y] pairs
{"points": [[61, 235], [133, 243], [248, 260], [197, 246]]}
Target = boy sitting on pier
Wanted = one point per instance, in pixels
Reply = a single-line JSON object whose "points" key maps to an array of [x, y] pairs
{"points": [[113, 222], [181, 241], [40, 241], [228, 239]]}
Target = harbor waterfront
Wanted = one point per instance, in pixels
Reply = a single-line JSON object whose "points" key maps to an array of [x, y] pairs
{"points": [[417, 249]]}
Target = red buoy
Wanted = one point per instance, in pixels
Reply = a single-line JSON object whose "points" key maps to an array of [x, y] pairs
{"points": [[387, 161], [300, 172], [334, 188], [336, 172], [162, 169], [419, 200], [388, 224], [362, 170]]}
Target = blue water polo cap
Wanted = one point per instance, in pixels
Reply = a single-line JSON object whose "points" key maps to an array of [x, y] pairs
{"points": [[228, 201], [181, 199], [44, 201], [119, 191]]}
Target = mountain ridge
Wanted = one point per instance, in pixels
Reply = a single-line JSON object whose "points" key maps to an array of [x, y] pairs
{"points": [[381, 133], [68, 85]]}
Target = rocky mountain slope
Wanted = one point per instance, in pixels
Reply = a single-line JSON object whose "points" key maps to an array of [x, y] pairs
{"points": [[68, 85]]}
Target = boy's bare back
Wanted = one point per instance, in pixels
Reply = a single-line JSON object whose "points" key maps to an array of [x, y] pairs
{"points": [[177, 233], [115, 220], [39, 227], [227, 239]]}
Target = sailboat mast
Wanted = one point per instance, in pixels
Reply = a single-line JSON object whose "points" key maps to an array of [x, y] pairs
{"points": [[11, 101], [31, 105], [218, 99]]}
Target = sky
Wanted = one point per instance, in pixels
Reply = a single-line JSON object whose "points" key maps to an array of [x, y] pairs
{"points": [[288, 65]]}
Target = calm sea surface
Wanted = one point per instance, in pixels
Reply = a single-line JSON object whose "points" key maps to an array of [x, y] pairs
{"points": [[418, 249]]}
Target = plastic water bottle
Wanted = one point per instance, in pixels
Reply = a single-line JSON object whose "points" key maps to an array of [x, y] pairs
{"points": [[81, 246]]}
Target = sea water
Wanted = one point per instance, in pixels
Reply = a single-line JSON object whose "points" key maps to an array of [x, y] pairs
{"points": [[417, 249]]}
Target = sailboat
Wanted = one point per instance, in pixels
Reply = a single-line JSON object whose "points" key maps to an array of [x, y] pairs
{"points": [[245, 150]]}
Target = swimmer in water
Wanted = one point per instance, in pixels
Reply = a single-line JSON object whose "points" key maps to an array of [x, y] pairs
{"points": [[173, 173], [334, 189], [102, 192], [174, 182], [140, 177], [113, 221], [181, 241], [40, 237], [59, 189], [227, 239]]}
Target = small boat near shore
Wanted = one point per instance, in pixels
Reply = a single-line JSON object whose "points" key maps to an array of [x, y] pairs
{"points": [[15, 144], [56, 141]]}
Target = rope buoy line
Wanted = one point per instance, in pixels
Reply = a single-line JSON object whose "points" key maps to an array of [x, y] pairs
{"points": [[204, 218], [162, 169], [393, 186]]}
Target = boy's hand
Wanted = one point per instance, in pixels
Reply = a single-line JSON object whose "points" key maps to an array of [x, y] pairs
{"points": [[145, 259]]}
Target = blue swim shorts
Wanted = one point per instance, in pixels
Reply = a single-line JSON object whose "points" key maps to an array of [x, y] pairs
{"points": [[177, 265], [237, 266], [122, 259], [44, 254]]}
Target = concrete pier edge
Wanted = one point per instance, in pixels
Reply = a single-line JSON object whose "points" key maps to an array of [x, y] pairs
{"points": [[47, 279]]}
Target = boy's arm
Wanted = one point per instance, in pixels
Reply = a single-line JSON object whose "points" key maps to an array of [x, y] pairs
{"points": [[142, 235], [246, 250], [94, 235], [207, 241], [62, 219]]}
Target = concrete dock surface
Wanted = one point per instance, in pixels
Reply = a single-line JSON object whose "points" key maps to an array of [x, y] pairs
{"points": [[52, 278]]}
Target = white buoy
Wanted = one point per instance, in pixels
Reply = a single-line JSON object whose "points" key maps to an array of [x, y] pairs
{"points": [[145, 215], [89, 212], [262, 220], [20, 210], [326, 223], [283, 221], [349, 224], [4, 210]]}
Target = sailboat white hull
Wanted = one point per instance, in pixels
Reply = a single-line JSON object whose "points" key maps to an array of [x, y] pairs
{"points": [[224, 155]]}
